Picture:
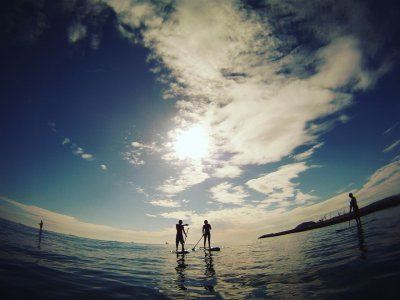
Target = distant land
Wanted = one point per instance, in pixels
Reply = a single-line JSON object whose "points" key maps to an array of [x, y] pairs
{"points": [[373, 207]]}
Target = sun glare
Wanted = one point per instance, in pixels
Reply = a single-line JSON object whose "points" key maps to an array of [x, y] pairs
{"points": [[192, 144]]}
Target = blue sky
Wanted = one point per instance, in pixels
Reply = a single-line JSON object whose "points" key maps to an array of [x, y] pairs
{"points": [[120, 117]]}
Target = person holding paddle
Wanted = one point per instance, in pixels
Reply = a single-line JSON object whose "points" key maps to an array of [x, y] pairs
{"points": [[207, 233], [180, 230]]}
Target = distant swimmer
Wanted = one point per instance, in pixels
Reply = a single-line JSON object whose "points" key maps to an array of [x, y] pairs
{"points": [[354, 208], [180, 231], [207, 233]]}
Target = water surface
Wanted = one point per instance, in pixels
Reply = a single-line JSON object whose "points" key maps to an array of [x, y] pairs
{"points": [[336, 262]]}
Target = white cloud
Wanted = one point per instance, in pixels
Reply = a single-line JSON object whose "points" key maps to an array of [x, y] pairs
{"points": [[165, 203], [341, 65], [307, 154], [383, 183], [141, 190], [190, 176], [104, 167], [76, 150], [391, 129], [279, 184], [76, 32], [31, 215], [225, 170], [236, 80], [184, 215], [87, 156], [230, 225], [134, 155], [392, 146], [229, 194]]}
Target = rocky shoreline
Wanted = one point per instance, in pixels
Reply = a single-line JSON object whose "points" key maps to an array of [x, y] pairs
{"points": [[373, 207]]}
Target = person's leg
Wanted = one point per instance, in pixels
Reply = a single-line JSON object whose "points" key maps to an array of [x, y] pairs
{"points": [[204, 236], [209, 238]]}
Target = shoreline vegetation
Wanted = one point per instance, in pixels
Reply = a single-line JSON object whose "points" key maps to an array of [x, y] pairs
{"points": [[373, 207]]}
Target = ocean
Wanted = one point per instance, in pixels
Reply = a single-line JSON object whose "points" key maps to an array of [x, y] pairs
{"points": [[336, 262]]}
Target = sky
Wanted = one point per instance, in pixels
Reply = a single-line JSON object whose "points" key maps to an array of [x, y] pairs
{"points": [[120, 117]]}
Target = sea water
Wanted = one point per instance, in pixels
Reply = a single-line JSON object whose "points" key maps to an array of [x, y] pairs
{"points": [[336, 262]]}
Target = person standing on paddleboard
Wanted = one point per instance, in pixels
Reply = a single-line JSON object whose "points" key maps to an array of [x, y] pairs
{"points": [[207, 233], [180, 230], [354, 208]]}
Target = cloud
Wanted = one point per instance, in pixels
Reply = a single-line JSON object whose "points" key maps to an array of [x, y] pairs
{"points": [[307, 154], [79, 151], [391, 129], [66, 141], [279, 184], [239, 224], [392, 146], [136, 150], [31, 215], [190, 176], [76, 150], [228, 194], [76, 32], [382, 183], [226, 170], [184, 215], [243, 72], [87, 156], [141, 190], [248, 77], [165, 203]]}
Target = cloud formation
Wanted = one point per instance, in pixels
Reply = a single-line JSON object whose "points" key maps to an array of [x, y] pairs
{"points": [[280, 184], [31, 215], [260, 86], [165, 203], [228, 194]]}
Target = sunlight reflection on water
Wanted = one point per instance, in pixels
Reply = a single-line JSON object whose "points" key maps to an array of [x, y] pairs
{"points": [[330, 263]]}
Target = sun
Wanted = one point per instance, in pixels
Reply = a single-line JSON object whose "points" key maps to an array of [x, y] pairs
{"points": [[192, 144]]}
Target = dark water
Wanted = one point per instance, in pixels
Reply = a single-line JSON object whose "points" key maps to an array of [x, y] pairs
{"points": [[337, 262]]}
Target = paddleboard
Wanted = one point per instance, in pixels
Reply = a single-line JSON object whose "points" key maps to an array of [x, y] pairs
{"points": [[182, 252], [213, 249], [355, 226]]}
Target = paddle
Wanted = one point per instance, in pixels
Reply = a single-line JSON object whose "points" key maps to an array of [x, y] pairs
{"points": [[186, 234], [193, 249]]}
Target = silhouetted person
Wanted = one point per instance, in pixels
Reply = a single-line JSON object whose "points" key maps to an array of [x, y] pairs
{"points": [[180, 230], [354, 208], [206, 233], [41, 225]]}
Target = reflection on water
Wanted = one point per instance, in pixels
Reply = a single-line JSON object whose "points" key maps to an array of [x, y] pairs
{"points": [[209, 272], [361, 241], [180, 270], [39, 238], [335, 262]]}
